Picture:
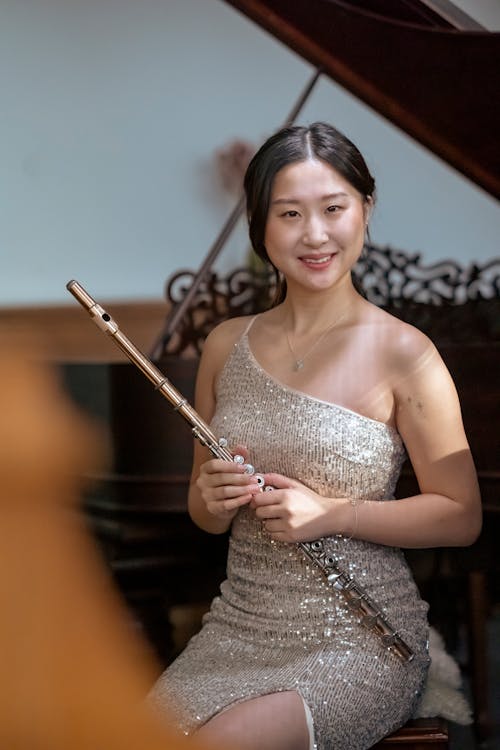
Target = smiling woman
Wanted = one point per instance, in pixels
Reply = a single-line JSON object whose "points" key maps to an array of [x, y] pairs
{"points": [[316, 224], [326, 394], [276, 189]]}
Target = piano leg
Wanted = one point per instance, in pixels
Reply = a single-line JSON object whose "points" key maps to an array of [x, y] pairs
{"points": [[478, 641]]}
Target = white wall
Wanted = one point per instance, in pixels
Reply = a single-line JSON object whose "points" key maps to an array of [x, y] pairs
{"points": [[111, 111], [485, 12]]}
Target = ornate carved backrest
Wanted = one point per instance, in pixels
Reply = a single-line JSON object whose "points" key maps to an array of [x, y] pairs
{"points": [[468, 297]]}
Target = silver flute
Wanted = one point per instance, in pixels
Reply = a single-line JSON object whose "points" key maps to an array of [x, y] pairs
{"points": [[356, 597]]}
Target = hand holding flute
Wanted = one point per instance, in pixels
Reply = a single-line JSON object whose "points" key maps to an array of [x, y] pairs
{"points": [[226, 485]]}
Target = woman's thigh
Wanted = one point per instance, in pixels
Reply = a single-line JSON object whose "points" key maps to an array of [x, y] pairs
{"points": [[270, 722]]}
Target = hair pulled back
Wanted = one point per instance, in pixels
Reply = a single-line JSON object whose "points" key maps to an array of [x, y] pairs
{"points": [[287, 146]]}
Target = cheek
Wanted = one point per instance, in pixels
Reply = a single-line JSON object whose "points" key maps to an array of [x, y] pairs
{"points": [[352, 230], [272, 237]]}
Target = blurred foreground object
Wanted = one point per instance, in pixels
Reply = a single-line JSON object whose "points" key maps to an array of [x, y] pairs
{"points": [[74, 674]]}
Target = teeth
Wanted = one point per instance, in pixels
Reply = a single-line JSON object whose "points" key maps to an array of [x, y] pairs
{"points": [[317, 261]]}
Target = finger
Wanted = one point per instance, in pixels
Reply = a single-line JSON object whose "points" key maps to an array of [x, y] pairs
{"points": [[228, 491], [278, 481], [240, 456], [266, 500], [221, 479], [267, 513], [272, 526], [218, 507], [281, 536], [217, 465], [240, 450]]}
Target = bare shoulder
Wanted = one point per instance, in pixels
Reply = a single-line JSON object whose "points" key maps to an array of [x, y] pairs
{"points": [[405, 348], [216, 350], [424, 392], [219, 343], [408, 360], [222, 338]]}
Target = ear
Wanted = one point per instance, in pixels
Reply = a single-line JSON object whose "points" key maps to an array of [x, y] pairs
{"points": [[368, 209]]}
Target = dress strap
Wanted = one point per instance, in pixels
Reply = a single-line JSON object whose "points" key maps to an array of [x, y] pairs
{"points": [[248, 326]]}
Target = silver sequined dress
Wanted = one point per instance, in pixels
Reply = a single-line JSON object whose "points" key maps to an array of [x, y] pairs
{"points": [[278, 624]]}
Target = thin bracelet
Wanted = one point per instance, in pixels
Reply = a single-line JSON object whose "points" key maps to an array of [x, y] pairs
{"points": [[354, 504]]}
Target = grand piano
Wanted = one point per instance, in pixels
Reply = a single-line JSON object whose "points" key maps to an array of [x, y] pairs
{"points": [[422, 64], [433, 72]]}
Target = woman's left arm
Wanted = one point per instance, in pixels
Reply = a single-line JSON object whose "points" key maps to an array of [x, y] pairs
{"points": [[446, 512]]}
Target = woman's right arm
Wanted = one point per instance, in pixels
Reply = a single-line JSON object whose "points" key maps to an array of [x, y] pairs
{"points": [[217, 488]]}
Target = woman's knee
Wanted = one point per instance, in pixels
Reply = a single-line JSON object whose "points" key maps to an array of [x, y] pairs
{"points": [[277, 721]]}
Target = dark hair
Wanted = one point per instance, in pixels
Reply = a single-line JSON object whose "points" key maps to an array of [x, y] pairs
{"points": [[290, 145]]}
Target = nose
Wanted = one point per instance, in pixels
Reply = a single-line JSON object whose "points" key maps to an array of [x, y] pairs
{"points": [[315, 234]]}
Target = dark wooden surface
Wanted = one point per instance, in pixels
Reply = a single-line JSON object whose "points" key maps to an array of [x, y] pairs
{"points": [[421, 734]]}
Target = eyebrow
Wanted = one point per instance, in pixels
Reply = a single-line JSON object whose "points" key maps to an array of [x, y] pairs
{"points": [[294, 201]]}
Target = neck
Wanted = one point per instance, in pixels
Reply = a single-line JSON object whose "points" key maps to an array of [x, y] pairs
{"points": [[309, 313]]}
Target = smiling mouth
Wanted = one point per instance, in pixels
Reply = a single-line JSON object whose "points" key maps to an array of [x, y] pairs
{"points": [[317, 260]]}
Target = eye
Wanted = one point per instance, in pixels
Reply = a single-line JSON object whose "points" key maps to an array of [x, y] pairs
{"points": [[333, 209], [291, 213]]}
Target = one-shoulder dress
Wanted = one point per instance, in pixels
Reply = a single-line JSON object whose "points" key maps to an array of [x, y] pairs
{"points": [[278, 624]]}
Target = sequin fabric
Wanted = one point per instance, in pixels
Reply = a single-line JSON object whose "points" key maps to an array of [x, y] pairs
{"points": [[278, 624]]}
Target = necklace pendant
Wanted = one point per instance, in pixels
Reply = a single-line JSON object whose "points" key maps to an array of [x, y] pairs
{"points": [[299, 364]]}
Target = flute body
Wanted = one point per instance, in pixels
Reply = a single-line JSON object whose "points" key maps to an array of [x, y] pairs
{"points": [[356, 597]]}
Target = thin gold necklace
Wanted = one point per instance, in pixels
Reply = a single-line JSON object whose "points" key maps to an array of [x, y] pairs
{"points": [[298, 363]]}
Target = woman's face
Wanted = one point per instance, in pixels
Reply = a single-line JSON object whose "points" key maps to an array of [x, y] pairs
{"points": [[315, 225]]}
